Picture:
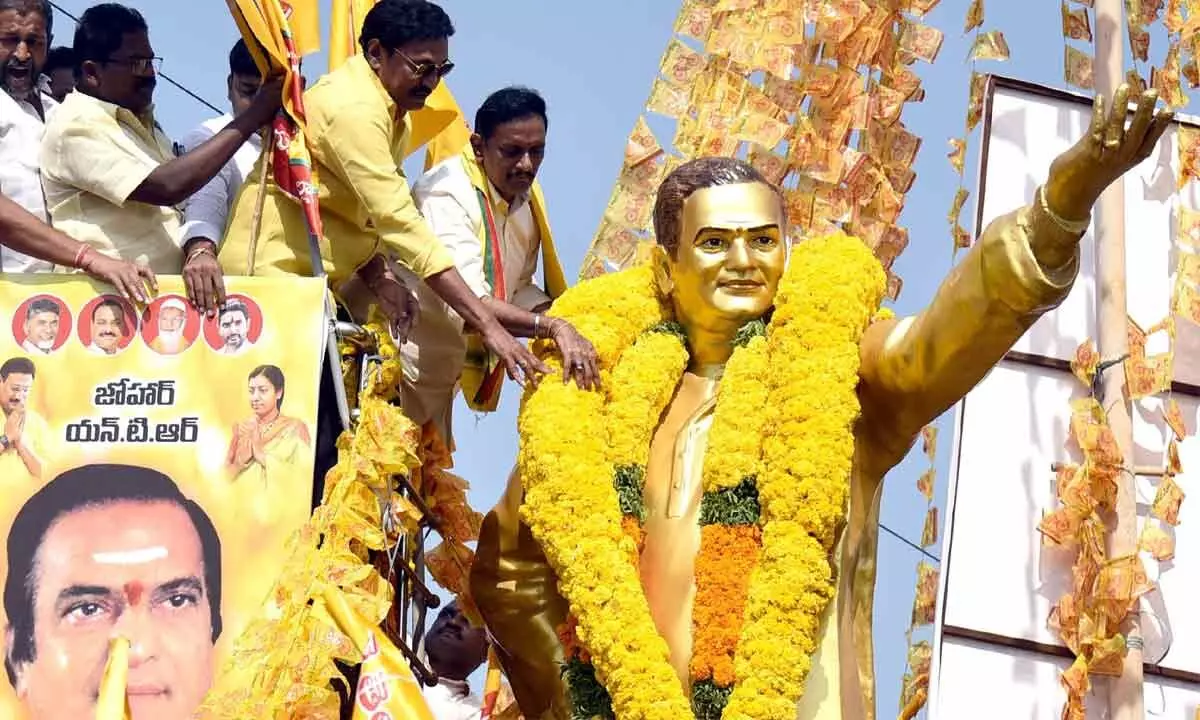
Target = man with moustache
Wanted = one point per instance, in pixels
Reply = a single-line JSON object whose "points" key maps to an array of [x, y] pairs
{"points": [[234, 328], [25, 35], [486, 208], [108, 327], [110, 175], [207, 212], [172, 320], [25, 245], [358, 127], [41, 326], [25, 432], [111, 551]]}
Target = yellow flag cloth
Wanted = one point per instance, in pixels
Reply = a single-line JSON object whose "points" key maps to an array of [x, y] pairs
{"points": [[386, 688], [440, 125], [304, 18], [345, 25], [111, 703]]}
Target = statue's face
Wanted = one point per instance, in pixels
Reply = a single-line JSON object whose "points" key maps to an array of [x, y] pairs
{"points": [[731, 255]]}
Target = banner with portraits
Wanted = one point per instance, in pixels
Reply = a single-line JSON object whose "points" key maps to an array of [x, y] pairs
{"points": [[153, 464]]}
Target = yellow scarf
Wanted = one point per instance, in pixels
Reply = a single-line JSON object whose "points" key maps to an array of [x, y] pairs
{"points": [[482, 376]]}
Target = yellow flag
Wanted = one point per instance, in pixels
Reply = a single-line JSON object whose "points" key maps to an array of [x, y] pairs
{"points": [[305, 21], [387, 689], [111, 703], [441, 126], [345, 26], [265, 28]]}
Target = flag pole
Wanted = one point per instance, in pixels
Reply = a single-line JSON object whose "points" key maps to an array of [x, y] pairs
{"points": [[1125, 698], [261, 197]]}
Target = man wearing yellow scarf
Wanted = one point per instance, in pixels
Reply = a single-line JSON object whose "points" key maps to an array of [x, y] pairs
{"points": [[485, 205]]}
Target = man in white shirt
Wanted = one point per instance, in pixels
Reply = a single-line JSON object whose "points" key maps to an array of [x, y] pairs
{"points": [[25, 34], [455, 649], [41, 324], [207, 212], [486, 208]]}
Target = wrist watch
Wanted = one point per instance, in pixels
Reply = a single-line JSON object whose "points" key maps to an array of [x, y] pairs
{"points": [[5, 443]]}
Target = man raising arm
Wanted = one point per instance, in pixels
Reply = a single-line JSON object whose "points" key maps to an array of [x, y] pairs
{"points": [[111, 177]]}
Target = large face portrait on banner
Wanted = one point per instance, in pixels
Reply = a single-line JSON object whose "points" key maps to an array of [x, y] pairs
{"points": [[153, 466]]}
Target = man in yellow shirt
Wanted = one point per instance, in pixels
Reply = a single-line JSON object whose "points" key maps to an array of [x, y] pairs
{"points": [[357, 127], [25, 433], [25, 233], [109, 171]]}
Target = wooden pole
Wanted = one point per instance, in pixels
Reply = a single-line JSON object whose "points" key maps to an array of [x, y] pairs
{"points": [[260, 200], [1125, 697]]}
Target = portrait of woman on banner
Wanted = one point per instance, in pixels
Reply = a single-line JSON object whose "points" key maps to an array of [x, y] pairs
{"points": [[270, 446]]}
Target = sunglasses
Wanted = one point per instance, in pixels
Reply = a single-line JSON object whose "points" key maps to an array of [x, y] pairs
{"points": [[425, 69]]}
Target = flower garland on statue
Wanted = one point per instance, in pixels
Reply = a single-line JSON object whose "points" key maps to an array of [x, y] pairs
{"points": [[776, 480]]}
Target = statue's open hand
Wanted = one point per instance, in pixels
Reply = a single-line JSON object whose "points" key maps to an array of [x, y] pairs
{"points": [[1105, 153]]}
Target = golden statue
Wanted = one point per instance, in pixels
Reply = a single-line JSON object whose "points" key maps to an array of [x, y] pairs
{"points": [[720, 266]]}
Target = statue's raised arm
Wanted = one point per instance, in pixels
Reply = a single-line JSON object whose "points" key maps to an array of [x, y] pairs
{"points": [[914, 368]]}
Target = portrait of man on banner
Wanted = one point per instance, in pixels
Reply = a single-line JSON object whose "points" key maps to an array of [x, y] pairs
{"points": [[102, 550]]}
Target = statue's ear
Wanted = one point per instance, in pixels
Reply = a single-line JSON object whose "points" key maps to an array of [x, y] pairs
{"points": [[660, 261]]}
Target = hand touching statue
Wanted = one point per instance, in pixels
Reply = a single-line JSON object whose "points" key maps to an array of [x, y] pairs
{"points": [[1105, 153]]}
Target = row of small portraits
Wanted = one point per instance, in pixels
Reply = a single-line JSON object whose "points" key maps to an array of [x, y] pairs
{"points": [[107, 324]]}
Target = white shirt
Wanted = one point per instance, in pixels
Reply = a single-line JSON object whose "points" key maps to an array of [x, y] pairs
{"points": [[436, 348], [29, 347], [206, 213], [21, 130], [452, 700]]}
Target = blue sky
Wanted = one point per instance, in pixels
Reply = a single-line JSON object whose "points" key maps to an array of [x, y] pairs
{"points": [[594, 63]]}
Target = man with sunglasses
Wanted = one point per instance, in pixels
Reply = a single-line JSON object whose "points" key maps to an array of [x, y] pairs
{"points": [[358, 127], [109, 172]]}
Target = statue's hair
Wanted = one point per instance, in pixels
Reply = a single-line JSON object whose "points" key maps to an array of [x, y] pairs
{"points": [[688, 178]]}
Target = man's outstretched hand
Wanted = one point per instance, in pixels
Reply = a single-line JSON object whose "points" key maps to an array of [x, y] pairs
{"points": [[1108, 150]]}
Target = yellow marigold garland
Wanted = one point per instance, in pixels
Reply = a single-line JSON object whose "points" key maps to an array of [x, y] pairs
{"points": [[735, 439], [282, 663], [830, 293]]}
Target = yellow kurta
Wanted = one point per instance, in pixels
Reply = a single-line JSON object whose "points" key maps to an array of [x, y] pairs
{"points": [[284, 446], [912, 370], [14, 474], [357, 142]]}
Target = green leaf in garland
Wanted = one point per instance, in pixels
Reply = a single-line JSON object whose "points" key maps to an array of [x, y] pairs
{"points": [[670, 327], [749, 331], [588, 697], [628, 481], [737, 505], [708, 700]]}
